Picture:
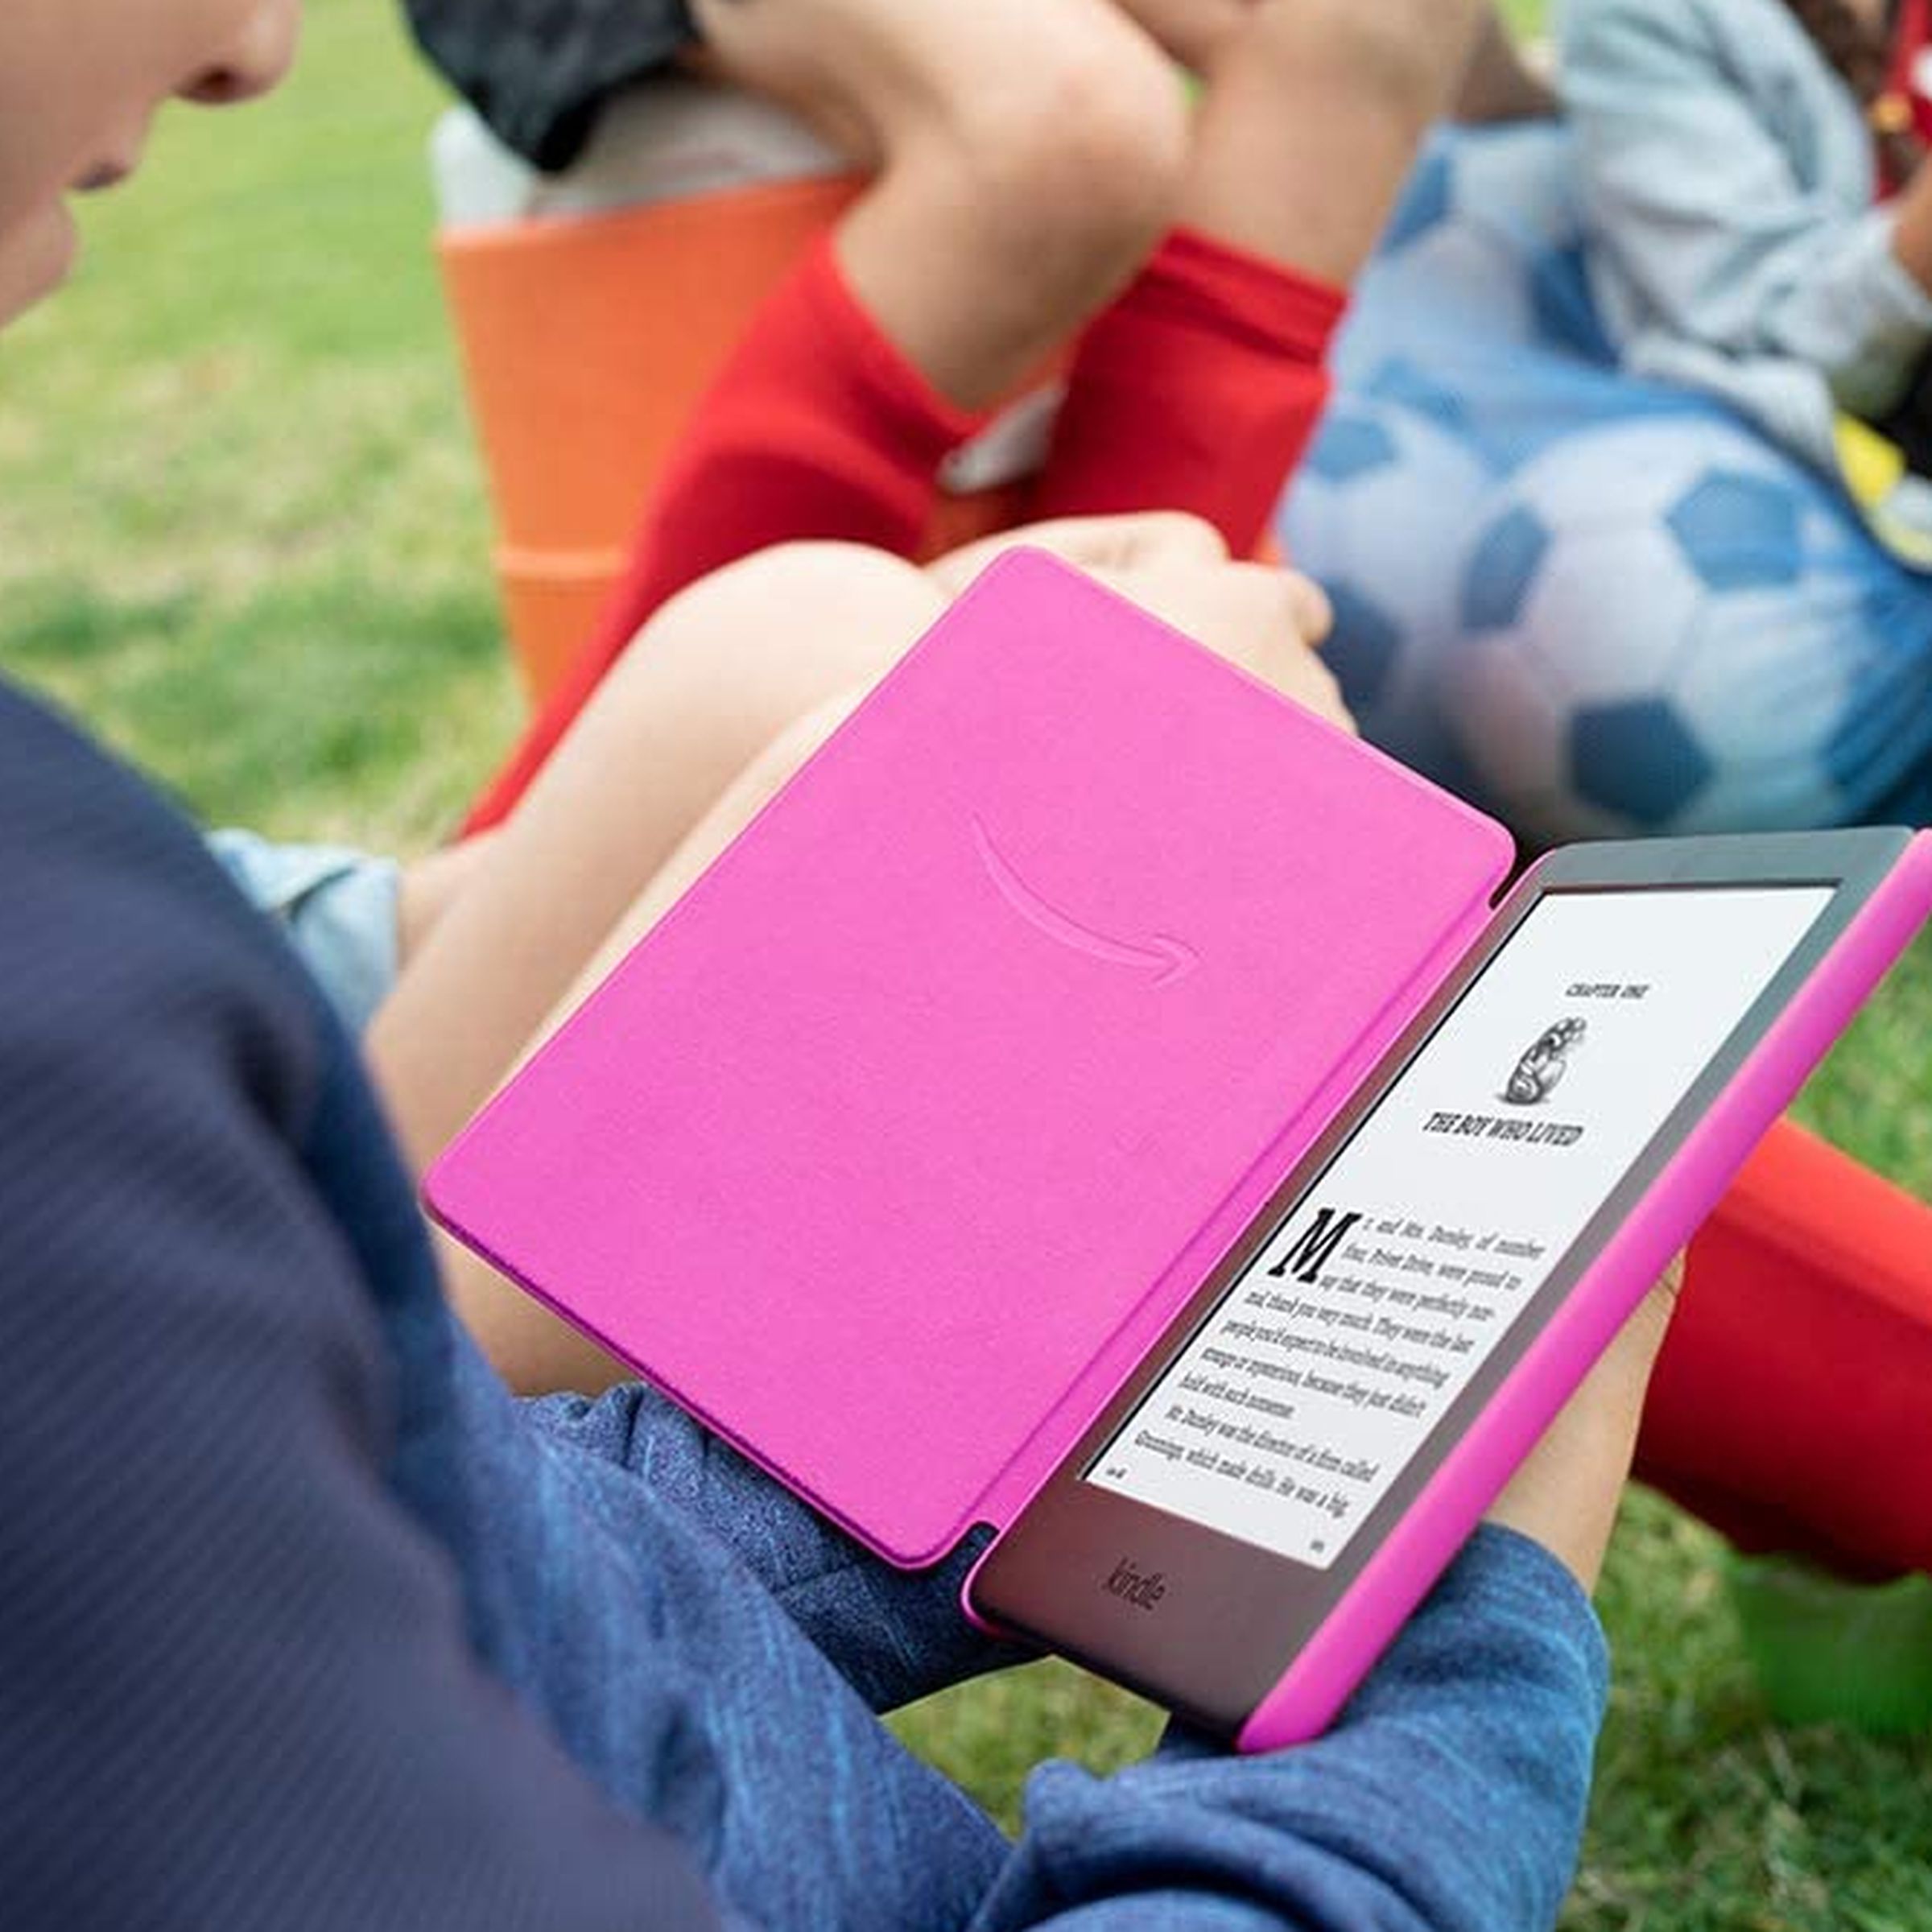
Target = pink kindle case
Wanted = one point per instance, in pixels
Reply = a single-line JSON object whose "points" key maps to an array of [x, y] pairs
{"points": [[1408, 1560], [895, 1145]]}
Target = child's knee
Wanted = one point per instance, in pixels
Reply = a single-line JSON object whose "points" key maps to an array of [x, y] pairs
{"points": [[1081, 147], [733, 644]]}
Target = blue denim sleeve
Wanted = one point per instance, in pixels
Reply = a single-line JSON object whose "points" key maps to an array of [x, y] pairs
{"points": [[237, 1689], [895, 1636], [1450, 1796]]}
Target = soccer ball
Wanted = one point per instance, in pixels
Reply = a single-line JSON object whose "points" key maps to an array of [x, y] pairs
{"points": [[1656, 623], [1594, 606], [1380, 514], [1482, 241], [1662, 625]]}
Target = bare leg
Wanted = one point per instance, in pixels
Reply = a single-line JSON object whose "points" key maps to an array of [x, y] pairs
{"points": [[1028, 157], [431, 887], [1314, 112], [725, 669], [1191, 31], [1498, 84], [1200, 387], [683, 745], [534, 1350]]}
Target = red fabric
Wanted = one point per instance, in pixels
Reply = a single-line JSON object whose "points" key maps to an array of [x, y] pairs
{"points": [[1911, 38], [1198, 391], [817, 427], [1792, 1407]]}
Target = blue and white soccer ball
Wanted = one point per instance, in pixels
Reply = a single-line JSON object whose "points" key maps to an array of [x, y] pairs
{"points": [[1482, 241], [1656, 625], [1594, 607], [1380, 513], [1662, 627]]}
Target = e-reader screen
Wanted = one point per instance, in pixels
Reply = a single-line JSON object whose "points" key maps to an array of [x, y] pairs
{"points": [[1363, 1315]]}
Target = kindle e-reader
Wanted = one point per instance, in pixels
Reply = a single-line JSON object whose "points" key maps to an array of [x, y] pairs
{"points": [[1250, 1518], [912, 1144]]}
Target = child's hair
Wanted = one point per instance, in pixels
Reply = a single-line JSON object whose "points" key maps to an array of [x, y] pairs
{"points": [[1861, 51]]}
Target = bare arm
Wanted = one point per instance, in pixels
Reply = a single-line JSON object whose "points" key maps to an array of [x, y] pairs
{"points": [[1912, 228], [1565, 1494], [1500, 84], [1704, 225]]}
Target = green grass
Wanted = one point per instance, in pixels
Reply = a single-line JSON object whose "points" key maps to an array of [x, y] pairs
{"points": [[241, 525], [242, 531], [1527, 17]]}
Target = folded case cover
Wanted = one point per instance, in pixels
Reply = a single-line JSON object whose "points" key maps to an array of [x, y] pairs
{"points": [[890, 1148]]}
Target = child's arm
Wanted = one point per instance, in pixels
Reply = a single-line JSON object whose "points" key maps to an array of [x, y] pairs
{"points": [[1451, 1795], [1693, 197], [1501, 85], [1449, 1798]]}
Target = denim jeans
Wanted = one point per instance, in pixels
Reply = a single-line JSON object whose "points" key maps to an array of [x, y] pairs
{"points": [[713, 1654]]}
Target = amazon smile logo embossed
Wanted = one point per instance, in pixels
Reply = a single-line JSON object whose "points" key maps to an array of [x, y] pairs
{"points": [[1167, 958]]}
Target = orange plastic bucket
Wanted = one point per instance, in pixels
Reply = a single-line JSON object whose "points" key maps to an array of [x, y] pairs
{"points": [[587, 340]]}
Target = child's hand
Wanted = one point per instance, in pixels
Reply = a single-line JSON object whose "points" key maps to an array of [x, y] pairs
{"points": [[1268, 622], [1101, 545], [1565, 1496]]}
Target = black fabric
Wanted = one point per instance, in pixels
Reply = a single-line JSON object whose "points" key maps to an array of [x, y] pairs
{"points": [[236, 1686], [538, 71], [1908, 422]]}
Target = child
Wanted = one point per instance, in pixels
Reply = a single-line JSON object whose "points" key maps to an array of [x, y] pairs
{"points": [[1790, 272], [307, 1623], [1579, 509], [1752, 181], [1038, 172], [1774, 1475]]}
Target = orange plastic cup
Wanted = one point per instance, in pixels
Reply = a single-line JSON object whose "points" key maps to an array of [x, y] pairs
{"points": [[587, 341]]}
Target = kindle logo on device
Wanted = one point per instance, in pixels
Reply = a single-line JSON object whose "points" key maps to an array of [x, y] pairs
{"points": [[1132, 1586]]}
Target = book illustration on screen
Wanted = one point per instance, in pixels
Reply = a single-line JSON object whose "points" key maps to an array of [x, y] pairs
{"points": [[1534, 1076]]}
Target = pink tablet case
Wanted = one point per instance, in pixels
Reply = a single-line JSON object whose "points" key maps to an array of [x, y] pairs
{"points": [[891, 1149], [1399, 1575]]}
